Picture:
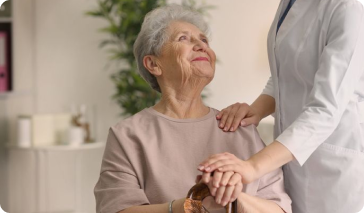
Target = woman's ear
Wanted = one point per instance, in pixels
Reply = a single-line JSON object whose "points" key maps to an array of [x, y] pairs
{"points": [[150, 63]]}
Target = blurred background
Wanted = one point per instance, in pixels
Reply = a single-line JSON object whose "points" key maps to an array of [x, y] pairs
{"points": [[58, 93]]}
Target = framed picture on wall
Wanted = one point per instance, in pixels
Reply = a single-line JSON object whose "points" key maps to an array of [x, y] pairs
{"points": [[5, 57]]}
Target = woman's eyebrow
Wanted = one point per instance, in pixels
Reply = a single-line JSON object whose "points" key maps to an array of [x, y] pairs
{"points": [[203, 36], [182, 32], [185, 32]]}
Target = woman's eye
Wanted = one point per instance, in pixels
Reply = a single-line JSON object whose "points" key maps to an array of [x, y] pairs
{"points": [[182, 38], [205, 40]]}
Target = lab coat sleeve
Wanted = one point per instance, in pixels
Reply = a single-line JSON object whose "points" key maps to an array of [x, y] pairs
{"points": [[269, 88], [340, 67]]}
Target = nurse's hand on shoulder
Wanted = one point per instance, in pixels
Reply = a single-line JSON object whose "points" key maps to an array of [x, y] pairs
{"points": [[237, 114], [227, 162]]}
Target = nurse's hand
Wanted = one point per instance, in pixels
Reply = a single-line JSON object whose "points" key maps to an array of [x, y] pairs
{"points": [[227, 162], [237, 114], [224, 187]]}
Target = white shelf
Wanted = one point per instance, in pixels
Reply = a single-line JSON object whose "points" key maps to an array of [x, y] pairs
{"points": [[83, 146]]}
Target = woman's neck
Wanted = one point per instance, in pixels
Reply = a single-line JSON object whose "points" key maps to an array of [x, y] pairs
{"points": [[181, 105]]}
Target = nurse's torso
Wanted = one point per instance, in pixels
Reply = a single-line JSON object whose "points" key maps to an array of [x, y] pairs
{"points": [[328, 181]]}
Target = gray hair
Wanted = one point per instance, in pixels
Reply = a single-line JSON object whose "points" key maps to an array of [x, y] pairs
{"points": [[153, 36]]}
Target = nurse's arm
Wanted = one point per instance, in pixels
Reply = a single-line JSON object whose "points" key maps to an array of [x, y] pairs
{"points": [[270, 158], [266, 160]]}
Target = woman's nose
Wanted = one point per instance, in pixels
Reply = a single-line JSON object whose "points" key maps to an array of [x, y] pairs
{"points": [[199, 46]]}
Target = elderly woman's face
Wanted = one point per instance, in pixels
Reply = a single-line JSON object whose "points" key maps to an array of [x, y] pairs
{"points": [[186, 56]]}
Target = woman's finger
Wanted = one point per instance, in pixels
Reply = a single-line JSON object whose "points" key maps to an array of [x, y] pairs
{"points": [[219, 194], [206, 177], [212, 188], [227, 195], [216, 179], [234, 180], [225, 179], [237, 190], [198, 178]]}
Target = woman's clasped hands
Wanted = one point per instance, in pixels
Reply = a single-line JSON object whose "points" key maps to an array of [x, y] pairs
{"points": [[224, 187], [225, 175]]}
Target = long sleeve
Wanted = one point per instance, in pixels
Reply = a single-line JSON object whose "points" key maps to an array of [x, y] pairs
{"points": [[118, 186], [269, 88], [341, 67]]}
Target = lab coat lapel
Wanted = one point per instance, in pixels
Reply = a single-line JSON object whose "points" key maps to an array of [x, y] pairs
{"points": [[271, 54], [298, 9], [272, 33]]}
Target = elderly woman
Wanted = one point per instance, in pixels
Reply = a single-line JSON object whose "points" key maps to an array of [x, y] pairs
{"points": [[139, 172]]}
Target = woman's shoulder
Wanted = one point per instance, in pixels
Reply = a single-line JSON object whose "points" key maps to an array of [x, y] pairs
{"points": [[135, 121]]}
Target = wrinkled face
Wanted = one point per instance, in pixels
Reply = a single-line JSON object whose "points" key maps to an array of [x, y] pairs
{"points": [[186, 58]]}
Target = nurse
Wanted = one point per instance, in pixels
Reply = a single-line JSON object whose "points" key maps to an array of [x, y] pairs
{"points": [[316, 95]]}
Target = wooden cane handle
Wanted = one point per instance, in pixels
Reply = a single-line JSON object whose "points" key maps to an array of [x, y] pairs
{"points": [[195, 196]]}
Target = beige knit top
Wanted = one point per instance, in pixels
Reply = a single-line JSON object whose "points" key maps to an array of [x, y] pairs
{"points": [[151, 158]]}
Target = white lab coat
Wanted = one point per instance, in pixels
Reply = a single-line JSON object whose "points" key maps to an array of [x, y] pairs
{"points": [[317, 67]]}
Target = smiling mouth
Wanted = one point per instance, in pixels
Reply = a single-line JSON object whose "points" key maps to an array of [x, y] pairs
{"points": [[201, 59]]}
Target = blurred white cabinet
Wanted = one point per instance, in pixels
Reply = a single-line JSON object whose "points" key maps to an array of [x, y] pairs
{"points": [[58, 179]]}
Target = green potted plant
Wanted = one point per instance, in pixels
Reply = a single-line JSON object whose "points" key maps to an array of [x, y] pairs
{"points": [[124, 18]]}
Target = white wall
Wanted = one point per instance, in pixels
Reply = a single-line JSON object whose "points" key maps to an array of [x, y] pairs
{"points": [[239, 34], [57, 60], [69, 64]]}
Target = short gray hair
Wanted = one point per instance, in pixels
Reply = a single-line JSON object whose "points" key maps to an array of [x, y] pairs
{"points": [[153, 36]]}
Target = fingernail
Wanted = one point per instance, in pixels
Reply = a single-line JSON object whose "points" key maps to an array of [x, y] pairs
{"points": [[221, 126], [207, 169], [225, 129], [218, 201], [231, 129], [200, 167], [224, 203], [216, 185], [242, 123]]}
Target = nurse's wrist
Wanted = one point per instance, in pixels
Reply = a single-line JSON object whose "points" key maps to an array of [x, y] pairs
{"points": [[253, 169]]}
